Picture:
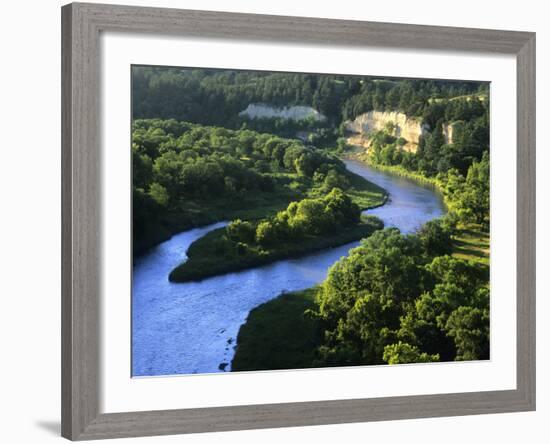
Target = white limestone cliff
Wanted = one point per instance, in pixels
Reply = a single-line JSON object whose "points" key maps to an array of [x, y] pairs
{"points": [[409, 128], [296, 112]]}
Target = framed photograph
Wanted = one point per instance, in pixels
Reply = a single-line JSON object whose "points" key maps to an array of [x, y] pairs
{"points": [[278, 221]]}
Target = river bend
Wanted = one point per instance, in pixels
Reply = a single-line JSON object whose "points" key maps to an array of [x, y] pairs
{"points": [[183, 328]]}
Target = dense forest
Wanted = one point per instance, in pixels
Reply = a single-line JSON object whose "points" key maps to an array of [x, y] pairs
{"points": [[394, 299], [186, 175], [216, 97], [399, 299]]}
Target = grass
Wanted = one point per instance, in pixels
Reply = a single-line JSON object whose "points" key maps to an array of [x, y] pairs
{"points": [[398, 170], [192, 213], [214, 254], [364, 193], [291, 345], [280, 335], [481, 96], [472, 243]]}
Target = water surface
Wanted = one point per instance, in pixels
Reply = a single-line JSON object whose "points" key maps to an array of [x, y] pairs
{"points": [[183, 328]]}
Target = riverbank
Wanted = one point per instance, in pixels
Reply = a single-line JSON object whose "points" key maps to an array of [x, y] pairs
{"points": [[293, 342], [198, 213], [283, 333], [470, 241], [202, 323], [207, 256], [217, 253], [250, 206], [257, 350], [399, 171]]}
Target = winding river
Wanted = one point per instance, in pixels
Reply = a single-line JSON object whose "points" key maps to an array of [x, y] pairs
{"points": [[191, 327]]}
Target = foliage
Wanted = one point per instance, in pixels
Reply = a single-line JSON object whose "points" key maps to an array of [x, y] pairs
{"points": [[461, 170], [307, 217], [403, 353], [393, 299], [469, 327], [459, 165], [305, 226], [448, 321], [427, 99], [159, 194], [470, 196], [216, 97], [297, 335], [241, 231], [435, 237], [234, 160], [187, 174]]}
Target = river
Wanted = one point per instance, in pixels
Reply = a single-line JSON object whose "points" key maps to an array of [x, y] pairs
{"points": [[191, 327]]}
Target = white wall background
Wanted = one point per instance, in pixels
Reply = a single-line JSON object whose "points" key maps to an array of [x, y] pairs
{"points": [[30, 221]]}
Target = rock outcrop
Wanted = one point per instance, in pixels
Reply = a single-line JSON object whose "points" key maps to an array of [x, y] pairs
{"points": [[406, 127], [297, 112], [448, 131]]}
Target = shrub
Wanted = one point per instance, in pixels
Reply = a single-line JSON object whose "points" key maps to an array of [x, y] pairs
{"points": [[241, 231], [403, 353], [266, 233], [435, 238]]}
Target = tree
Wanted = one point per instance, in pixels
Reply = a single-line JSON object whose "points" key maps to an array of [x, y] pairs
{"points": [[335, 180], [421, 330], [364, 295], [433, 114], [344, 211], [391, 300], [305, 164], [311, 218], [470, 196], [431, 150], [403, 353], [476, 195], [435, 238], [456, 284], [358, 325], [266, 233], [469, 327], [241, 231], [142, 168], [159, 194]]}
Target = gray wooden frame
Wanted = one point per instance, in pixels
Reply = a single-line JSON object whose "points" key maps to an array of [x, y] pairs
{"points": [[81, 166]]}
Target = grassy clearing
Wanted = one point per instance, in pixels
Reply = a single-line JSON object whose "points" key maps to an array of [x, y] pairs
{"points": [[213, 254], [291, 346], [364, 193], [480, 96], [472, 243]]}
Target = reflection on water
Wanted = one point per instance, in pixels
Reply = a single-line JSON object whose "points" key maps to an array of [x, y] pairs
{"points": [[192, 327]]}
